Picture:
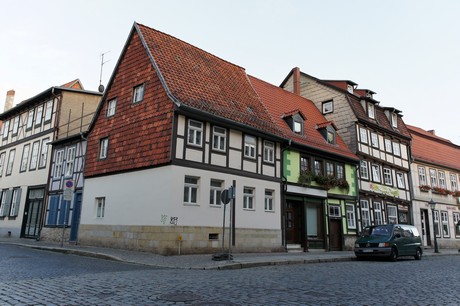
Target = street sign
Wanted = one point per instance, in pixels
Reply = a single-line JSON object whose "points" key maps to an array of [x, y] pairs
{"points": [[227, 195], [68, 190]]}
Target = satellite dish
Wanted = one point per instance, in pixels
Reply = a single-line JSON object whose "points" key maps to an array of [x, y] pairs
{"points": [[101, 88]]}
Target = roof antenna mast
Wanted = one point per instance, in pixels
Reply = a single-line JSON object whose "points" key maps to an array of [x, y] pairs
{"points": [[101, 87]]}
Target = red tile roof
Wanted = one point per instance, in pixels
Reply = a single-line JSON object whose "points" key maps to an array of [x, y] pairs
{"points": [[429, 148], [203, 81], [279, 101]]}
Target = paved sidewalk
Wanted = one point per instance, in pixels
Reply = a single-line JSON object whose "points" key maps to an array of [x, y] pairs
{"points": [[201, 261]]}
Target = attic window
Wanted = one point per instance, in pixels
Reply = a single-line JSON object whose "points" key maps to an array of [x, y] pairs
{"points": [[295, 122], [330, 137], [371, 110], [394, 120], [328, 107], [350, 88], [297, 127]]}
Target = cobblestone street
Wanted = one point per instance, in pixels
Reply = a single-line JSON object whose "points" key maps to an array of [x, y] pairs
{"points": [[34, 277]]}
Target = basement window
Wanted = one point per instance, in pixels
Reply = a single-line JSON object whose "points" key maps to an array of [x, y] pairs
{"points": [[213, 236]]}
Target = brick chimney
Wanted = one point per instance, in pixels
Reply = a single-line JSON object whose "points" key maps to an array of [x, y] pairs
{"points": [[9, 100], [296, 74]]}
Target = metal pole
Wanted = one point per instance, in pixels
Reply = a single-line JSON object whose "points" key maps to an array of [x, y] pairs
{"points": [[223, 230], [64, 223], [436, 250]]}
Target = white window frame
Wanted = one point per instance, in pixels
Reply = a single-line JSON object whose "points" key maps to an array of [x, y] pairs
{"points": [[6, 128], [25, 158], [2, 162], [43, 153], [248, 198], [375, 140], [376, 173], [15, 125], [394, 120], [442, 179], [48, 110], [58, 161], [195, 133], [334, 211], [138, 93], [365, 214], [445, 224], [269, 200], [453, 182], [9, 166], [351, 216], [30, 119], [103, 148], [111, 107], [39, 115], [396, 149], [340, 171], [34, 157], [392, 212], [215, 192], [364, 170], [387, 178], [250, 146], [191, 185], [328, 107], [69, 161], [363, 135], [388, 146], [422, 176], [3, 211], [371, 110], [14, 203], [400, 180], [433, 178], [269, 152], [378, 214], [219, 138], [100, 207]]}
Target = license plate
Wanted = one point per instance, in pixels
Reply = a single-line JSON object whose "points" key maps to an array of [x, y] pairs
{"points": [[368, 251]]}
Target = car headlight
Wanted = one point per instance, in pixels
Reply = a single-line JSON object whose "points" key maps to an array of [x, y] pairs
{"points": [[356, 245], [384, 245]]}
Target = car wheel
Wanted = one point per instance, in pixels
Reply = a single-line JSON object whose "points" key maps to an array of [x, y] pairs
{"points": [[394, 254], [418, 254]]}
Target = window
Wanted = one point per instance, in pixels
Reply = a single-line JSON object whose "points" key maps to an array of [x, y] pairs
{"points": [[34, 157], [269, 151], [15, 125], [9, 165], [330, 137], [215, 193], [422, 176], [318, 167], [305, 164], [394, 120], [38, 117], [328, 107], [400, 180], [58, 159], [219, 138], [25, 158], [350, 88], [30, 119], [371, 110], [334, 211], [387, 179], [248, 198], [69, 161], [4, 204], [442, 179], [2, 162], [249, 146], [111, 107], [445, 224], [456, 217], [100, 207], [6, 128], [378, 215], [433, 178], [388, 146], [340, 172], [351, 219], [376, 173], [269, 198], [375, 140], [392, 214], [103, 148], [396, 149], [330, 169], [195, 133], [43, 153], [363, 135], [191, 190], [453, 182], [298, 126], [436, 223], [138, 93], [365, 216], [48, 110], [15, 201], [363, 170]]}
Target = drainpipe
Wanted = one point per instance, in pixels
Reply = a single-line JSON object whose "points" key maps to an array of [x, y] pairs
{"points": [[283, 197]]}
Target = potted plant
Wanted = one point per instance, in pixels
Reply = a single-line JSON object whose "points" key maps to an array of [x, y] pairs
{"points": [[306, 177], [425, 188]]}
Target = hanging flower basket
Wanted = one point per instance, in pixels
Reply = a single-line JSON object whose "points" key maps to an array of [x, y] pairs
{"points": [[425, 188]]}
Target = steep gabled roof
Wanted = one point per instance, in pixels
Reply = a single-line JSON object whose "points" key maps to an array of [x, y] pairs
{"points": [[279, 101], [429, 148], [199, 80]]}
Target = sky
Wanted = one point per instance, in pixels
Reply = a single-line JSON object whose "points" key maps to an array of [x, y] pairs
{"points": [[407, 51]]}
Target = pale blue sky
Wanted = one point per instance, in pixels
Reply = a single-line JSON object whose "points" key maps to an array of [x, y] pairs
{"points": [[406, 51]]}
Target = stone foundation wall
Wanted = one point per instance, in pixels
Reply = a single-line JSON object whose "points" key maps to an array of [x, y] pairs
{"points": [[166, 240], [54, 234]]}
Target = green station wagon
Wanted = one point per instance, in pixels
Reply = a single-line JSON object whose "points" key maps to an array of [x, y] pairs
{"points": [[389, 240]]}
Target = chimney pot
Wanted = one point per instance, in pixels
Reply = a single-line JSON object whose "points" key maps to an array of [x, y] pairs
{"points": [[296, 72], [432, 132]]}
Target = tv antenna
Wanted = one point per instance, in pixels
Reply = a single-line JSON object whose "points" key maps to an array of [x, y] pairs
{"points": [[101, 87]]}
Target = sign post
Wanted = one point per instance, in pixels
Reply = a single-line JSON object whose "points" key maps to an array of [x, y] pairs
{"points": [[225, 197], [66, 198]]}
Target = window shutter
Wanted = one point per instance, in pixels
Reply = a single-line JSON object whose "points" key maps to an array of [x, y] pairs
{"points": [[6, 209], [18, 201], [52, 210]]}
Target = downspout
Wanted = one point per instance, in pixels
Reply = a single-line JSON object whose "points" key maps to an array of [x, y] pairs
{"points": [[283, 198]]}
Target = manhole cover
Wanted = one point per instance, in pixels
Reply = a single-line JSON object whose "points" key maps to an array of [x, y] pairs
{"points": [[179, 297], [214, 304]]}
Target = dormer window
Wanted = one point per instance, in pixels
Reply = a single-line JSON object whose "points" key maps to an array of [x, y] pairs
{"points": [[297, 127], [394, 120], [350, 88], [328, 131], [330, 137], [371, 110], [295, 121]]}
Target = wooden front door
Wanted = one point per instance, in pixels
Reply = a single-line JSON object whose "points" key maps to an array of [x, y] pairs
{"points": [[294, 222], [335, 235]]}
